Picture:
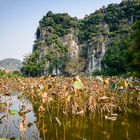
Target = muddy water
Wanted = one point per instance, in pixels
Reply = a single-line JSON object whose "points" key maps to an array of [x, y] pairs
{"points": [[18, 121], [79, 128]]}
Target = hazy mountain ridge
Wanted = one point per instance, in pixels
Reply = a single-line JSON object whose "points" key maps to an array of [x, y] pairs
{"points": [[10, 64]]}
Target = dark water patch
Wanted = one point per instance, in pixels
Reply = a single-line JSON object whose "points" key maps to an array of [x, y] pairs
{"points": [[126, 127]]}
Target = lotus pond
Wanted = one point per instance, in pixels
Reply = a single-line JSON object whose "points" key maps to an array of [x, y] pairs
{"points": [[51, 108]]}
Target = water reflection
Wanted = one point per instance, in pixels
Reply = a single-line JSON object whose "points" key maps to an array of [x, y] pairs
{"points": [[126, 127], [17, 120]]}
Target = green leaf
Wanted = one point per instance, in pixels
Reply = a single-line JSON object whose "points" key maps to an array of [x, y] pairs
{"points": [[78, 85], [3, 105], [13, 112], [113, 86]]}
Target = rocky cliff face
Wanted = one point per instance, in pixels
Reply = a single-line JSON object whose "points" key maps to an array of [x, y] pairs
{"points": [[73, 47], [73, 52], [68, 41], [96, 49], [95, 54], [59, 37]]}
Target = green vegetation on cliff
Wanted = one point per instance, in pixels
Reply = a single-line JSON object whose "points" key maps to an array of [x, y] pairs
{"points": [[51, 28], [124, 56], [134, 49]]}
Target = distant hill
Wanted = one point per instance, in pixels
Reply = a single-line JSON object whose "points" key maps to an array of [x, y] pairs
{"points": [[10, 64]]}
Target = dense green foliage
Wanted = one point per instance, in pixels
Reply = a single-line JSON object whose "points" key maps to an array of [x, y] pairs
{"points": [[32, 66], [116, 16], [13, 74], [114, 23], [115, 59], [58, 24], [124, 56], [134, 50]]}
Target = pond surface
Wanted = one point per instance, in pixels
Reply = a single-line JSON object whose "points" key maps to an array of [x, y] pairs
{"points": [[18, 121], [77, 128]]}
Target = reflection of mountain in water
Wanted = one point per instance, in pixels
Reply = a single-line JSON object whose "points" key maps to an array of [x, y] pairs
{"points": [[10, 64]]}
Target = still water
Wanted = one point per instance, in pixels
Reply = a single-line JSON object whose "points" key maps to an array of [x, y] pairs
{"points": [[77, 128], [19, 121]]}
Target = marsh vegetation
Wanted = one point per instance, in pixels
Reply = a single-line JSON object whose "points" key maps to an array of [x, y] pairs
{"points": [[81, 108]]}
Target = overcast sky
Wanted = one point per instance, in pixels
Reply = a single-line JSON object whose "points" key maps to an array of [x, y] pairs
{"points": [[19, 20]]}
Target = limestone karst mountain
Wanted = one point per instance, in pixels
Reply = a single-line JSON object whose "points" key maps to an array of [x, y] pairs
{"points": [[61, 39]]}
